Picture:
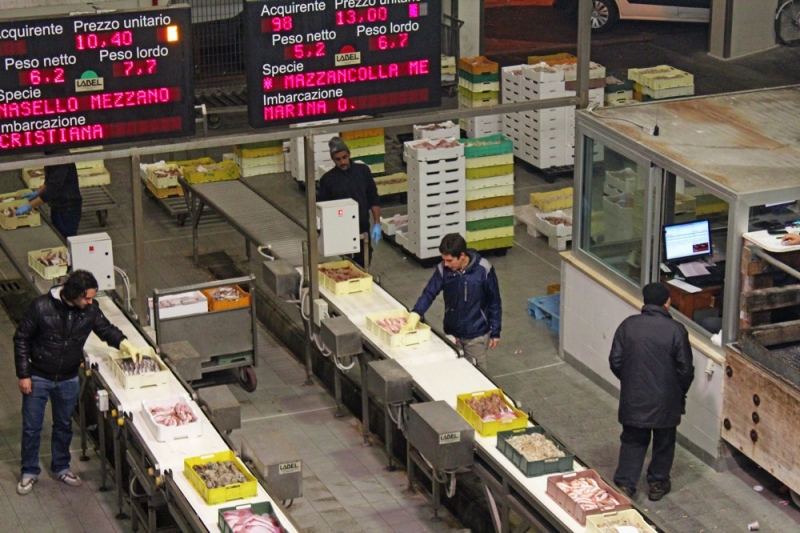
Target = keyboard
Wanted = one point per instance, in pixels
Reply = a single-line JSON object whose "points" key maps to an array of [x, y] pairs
{"points": [[715, 276]]}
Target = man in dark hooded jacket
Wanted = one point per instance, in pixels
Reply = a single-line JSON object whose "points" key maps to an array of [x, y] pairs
{"points": [[652, 358]]}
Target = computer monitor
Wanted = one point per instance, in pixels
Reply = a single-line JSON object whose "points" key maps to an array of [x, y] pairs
{"points": [[683, 242]]}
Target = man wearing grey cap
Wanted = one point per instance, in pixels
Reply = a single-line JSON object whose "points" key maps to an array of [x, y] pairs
{"points": [[354, 181], [652, 358]]}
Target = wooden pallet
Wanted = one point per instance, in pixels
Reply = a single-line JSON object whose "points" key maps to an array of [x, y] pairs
{"points": [[526, 215]]}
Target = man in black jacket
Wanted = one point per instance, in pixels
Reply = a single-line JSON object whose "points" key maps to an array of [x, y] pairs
{"points": [[652, 358], [48, 352], [62, 193], [354, 181]]}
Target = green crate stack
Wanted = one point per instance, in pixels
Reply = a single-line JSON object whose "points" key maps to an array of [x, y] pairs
{"points": [[369, 147], [489, 162], [479, 86]]}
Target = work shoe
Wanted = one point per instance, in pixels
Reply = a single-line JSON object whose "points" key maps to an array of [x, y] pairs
{"points": [[25, 485], [658, 490], [71, 479], [626, 491]]}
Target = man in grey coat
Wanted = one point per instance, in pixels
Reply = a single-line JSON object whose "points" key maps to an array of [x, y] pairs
{"points": [[652, 358]]}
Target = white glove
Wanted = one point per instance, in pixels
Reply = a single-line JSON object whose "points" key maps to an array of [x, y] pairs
{"points": [[131, 351], [411, 323]]}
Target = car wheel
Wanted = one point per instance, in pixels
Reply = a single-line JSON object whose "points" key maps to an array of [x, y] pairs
{"points": [[604, 15]]}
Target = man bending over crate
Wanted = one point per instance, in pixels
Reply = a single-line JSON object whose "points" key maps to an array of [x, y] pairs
{"points": [[472, 309], [48, 352]]}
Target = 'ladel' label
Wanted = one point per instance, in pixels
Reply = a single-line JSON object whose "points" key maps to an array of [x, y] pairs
{"points": [[289, 468], [450, 438], [350, 58], [88, 84]]}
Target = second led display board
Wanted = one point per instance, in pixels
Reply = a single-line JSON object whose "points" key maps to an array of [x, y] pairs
{"points": [[319, 59]]}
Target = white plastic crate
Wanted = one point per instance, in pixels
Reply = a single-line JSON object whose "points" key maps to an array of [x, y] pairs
{"points": [[430, 223], [173, 306], [541, 72], [417, 170], [479, 87], [441, 130], [542, 91], [493, 181], [453, 185], [146, 379], [164, 433], [548, 228], [494, 212], [416, 151], [391, 225]]}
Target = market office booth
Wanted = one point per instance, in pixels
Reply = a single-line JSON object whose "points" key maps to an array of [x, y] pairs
{"points": [[730, 159]]}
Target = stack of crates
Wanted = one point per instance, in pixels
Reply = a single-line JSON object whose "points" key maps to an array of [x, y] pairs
{"points": [[258, 159], [661, 82], [90, 174], [369, 147], [489, 165], [436, 194], [623, 205], [449, 70], [479, 86], [618, 91], [322, 156]]}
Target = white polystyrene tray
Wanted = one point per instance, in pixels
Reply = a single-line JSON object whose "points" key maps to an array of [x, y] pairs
{"points": [[167, 433]]}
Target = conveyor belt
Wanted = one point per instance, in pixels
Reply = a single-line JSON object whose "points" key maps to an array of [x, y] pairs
{"points": [[99, 200], [17, 243], [258, 220]]}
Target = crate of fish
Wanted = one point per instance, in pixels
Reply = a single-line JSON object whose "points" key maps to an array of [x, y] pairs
{"points": [[342, 277], [151, 371], [584, 493], [386, 326], [10, 220], [50, 263], [219, 477], [174, 417], [230, 297], [33, 177], [617, 522], [489, 412], [163, 175], [534, 452], [249, 517]]}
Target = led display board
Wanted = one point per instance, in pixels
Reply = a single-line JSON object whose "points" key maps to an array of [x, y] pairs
{"points": [[88, 79], [310, 60]]}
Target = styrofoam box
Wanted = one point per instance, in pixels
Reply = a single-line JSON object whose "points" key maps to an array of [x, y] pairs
{"points": [[442, 130], [178, 309], [166, 433], [552, 230], [422, 154], [542, 73]]}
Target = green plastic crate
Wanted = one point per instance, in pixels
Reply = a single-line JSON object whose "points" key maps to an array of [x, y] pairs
{"points": [[478, 78], [490, 223], [258, 508], [496, 144], [533, 468]]}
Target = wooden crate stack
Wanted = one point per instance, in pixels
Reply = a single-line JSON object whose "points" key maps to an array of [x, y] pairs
{"points": [[258, 159], [489, 165], [479, 86], [369, 147], [660, 82], [436, 195]]}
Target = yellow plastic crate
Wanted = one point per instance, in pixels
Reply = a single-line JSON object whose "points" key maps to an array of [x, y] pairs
{"points": [[164, 192], [220, 494], [13, 199], [248, 151], [359, 134], [493, 233], [361, 284], [192, 162], [489, 428], [489, 203], [362, 142], [478, 65], [392, 184], [49, 271], [33, 177], [492, 244], [553, 59], [32, 219], [93, 176], [553, 200], [602, 522], [660, 77], [147, 379], [397, 340], [225, 170]]}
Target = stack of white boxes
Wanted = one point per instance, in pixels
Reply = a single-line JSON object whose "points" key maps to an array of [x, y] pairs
{"points": [[623, 205], [258, 159], [436, 194], [544, 138], [479, 86], [442, 130], [322, 156]]}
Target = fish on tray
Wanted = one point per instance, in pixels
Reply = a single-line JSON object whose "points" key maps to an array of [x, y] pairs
{"points": [[131, 368], [175, 415], [246, 521], [219, 474]]}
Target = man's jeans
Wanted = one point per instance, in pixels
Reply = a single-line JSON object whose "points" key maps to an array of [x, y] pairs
{"points": [[63, 396]]}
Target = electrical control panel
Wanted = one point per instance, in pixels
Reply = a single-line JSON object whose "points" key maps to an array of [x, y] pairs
{"points": [[93, 252]]}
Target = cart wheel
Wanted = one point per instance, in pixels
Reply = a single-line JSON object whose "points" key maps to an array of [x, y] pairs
{"points": [[214, 121], [181, 219], [102, 217], [795, 497], [247, 378]]}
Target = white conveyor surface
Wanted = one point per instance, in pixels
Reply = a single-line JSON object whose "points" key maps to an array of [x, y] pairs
{"points": [[171, 454], [442, 375]]}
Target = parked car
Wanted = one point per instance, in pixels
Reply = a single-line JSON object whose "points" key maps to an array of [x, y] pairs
{"points": [[606, 13]]}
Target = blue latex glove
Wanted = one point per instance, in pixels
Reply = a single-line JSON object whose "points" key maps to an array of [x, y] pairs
{"points": [[376, 233], [23, 209], [31, 195]]}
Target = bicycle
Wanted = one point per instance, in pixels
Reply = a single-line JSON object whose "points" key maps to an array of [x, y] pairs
{"points": [[787, 23]]}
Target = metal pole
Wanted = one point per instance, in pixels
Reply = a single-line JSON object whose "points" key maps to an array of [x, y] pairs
{"points": [[138, 242], [584, 50], [311, 229], [362, 363], [758, 252]]}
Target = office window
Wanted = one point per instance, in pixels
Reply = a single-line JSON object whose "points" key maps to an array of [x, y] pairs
{"points": [[775, 215], [613, 209]]}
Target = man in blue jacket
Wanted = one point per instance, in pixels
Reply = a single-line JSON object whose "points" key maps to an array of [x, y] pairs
{"points": [[652, 358], [472, 307]]}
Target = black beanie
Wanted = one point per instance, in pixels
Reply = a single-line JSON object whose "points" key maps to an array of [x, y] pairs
{"points": [[336, 145], [655, 294]]}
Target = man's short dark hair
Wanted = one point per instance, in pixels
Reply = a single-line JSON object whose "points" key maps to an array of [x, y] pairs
{"points": [[453, 244], [655, 294], [77, 284]]}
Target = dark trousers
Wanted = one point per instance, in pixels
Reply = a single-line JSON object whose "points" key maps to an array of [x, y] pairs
{"points": [[359, 257], [633, 449], [66, 222]]}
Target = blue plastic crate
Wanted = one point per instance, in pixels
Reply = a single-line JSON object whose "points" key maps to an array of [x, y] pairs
{"points": [[546, 309]]}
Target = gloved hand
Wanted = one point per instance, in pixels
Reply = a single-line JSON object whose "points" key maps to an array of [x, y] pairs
{"points": [[131, 351], [31, 195], [376, 233], [411, 323], [23, 209]]}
